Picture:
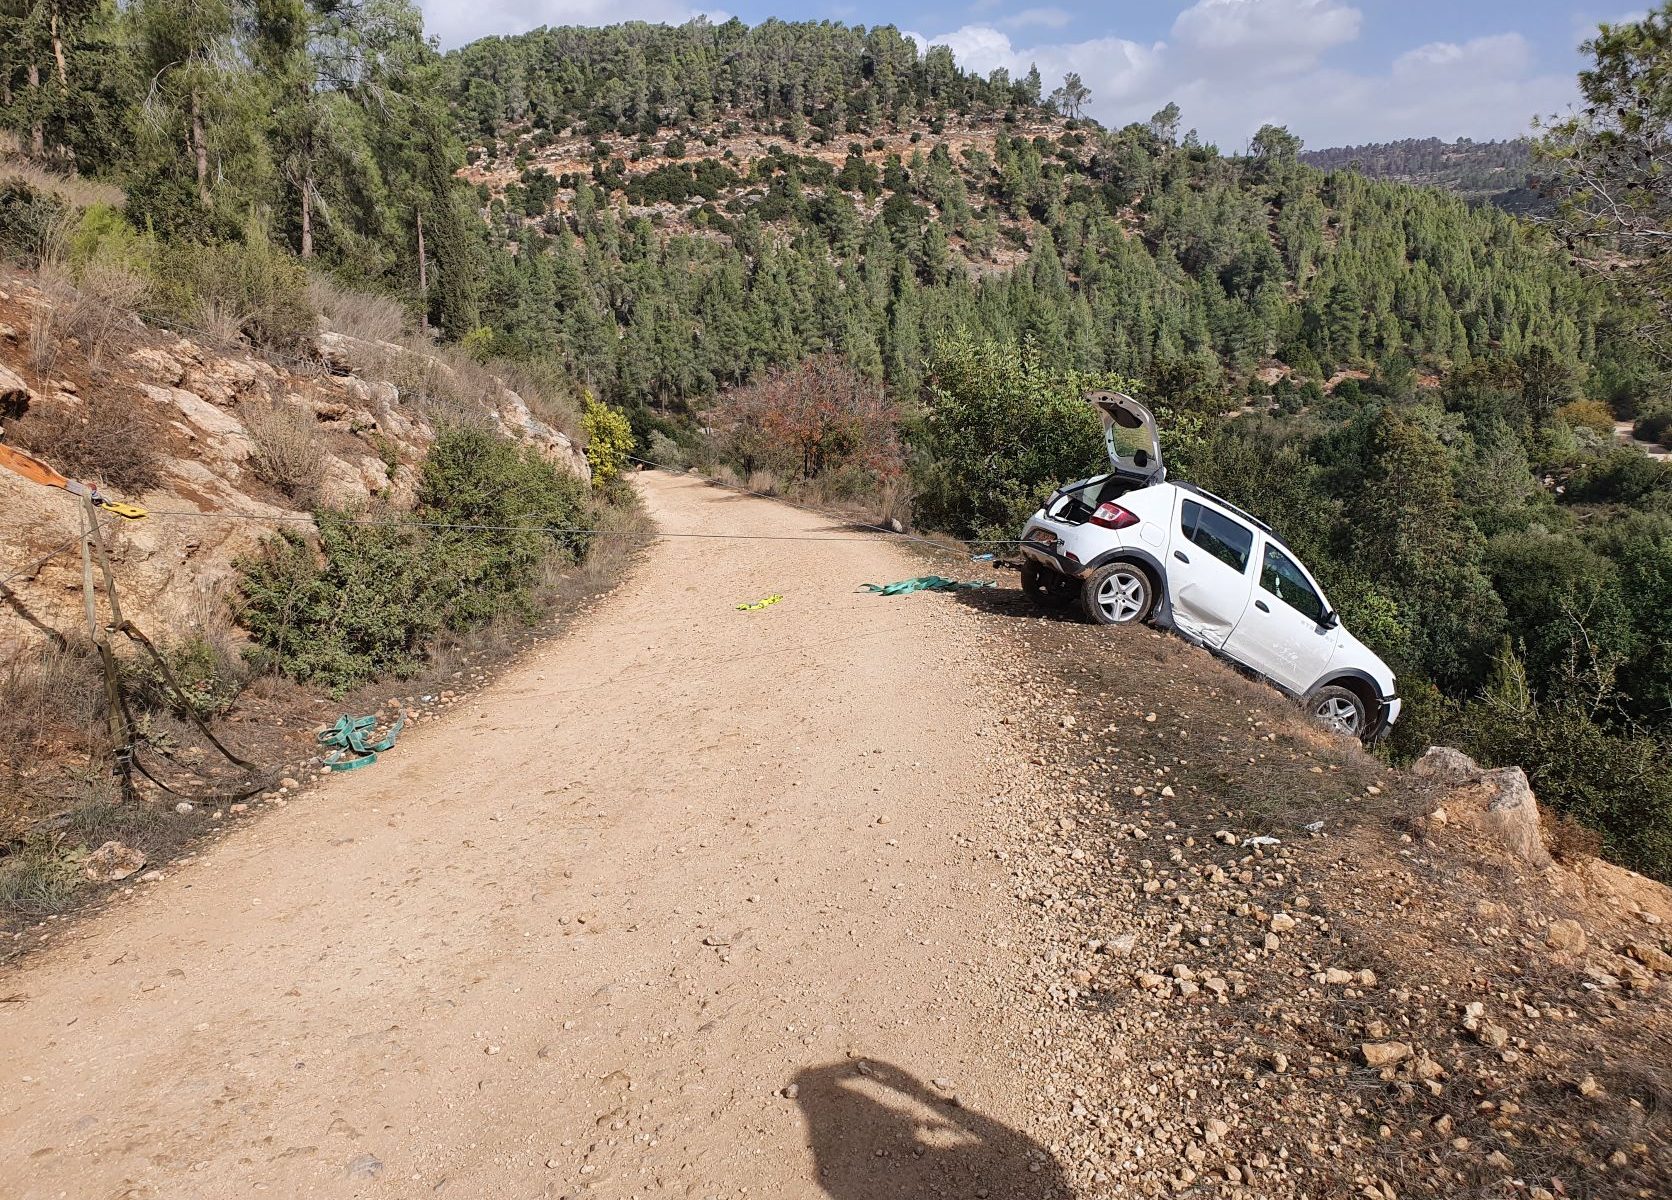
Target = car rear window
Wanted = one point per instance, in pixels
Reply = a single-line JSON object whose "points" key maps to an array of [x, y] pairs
{"points": [[1229, 541]]}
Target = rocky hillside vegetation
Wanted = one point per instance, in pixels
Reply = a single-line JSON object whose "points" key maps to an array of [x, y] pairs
{"points": [[1274, 967], [350, 503]]}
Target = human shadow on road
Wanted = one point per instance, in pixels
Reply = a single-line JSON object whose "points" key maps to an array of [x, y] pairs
{"points": [[877, 1133]]}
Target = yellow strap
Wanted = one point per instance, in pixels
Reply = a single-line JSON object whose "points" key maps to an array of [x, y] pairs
{"points": [[760, 604], [132, 512]]}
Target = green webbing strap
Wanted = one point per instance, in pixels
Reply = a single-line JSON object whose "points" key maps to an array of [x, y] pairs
{"points": [[923, 583], [353, 739]]}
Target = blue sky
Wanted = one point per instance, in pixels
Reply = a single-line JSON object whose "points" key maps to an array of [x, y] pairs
{"points": [[1333, 71]]}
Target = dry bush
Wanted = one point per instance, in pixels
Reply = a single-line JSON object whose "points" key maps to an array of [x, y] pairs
{"points": [[765, 482], [73, 191], [105, 439], [546, 391], [97, 309], [49, 693], [45, 338], [219, 323], [446, 382], [894, 501], [289, 450], [365, 315]]}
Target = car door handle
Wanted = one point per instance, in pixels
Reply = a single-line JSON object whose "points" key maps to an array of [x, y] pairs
{"points": [[1181, 556], [1261, 605]]}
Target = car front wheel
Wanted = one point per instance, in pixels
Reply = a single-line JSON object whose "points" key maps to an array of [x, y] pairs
{"points": [[1339, 709], [1118, 594]]}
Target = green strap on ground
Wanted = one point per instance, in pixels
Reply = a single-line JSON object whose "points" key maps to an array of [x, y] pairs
{"points": [[356, 743], [923, 583]]}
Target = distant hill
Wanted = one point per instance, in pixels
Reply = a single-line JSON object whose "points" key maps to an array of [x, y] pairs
{"points": [[1492, 172]]}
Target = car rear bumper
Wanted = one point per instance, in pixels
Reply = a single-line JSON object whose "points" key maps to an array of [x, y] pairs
{"points": [[1052, 558]]}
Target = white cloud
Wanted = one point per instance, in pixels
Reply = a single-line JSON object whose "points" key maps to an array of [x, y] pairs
{"points": [[1121, 68], [1265, 26], [1234, 65], [456, 22], [1045, 18]]}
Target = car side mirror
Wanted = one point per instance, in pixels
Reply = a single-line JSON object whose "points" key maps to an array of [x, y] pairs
{"points": [[1332, 619]]}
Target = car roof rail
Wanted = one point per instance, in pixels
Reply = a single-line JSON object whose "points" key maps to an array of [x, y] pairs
{"points": [[1244, 514]]}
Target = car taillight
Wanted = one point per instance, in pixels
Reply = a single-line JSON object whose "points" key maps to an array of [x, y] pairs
{"points": [[1113, 516]]}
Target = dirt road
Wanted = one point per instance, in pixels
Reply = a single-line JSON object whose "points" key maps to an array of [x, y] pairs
{"points": [[581, 936]]}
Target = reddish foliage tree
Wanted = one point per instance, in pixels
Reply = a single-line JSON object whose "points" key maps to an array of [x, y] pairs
{"points": [[819, 416]]}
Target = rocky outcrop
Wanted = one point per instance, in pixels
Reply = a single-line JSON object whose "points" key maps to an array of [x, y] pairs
{"points": [[374, 360], [15, 395], [369, 420], [1499, 803]]}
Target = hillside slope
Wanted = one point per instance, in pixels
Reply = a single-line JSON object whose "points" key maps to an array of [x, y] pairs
{"points": [[1495, 172], [687, 208], [214, 426]]}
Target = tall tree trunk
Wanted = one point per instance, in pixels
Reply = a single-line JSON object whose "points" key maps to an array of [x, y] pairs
{"points": [[58, 53], [423, 279], [37, 131], [307, 212], [200, 148]]}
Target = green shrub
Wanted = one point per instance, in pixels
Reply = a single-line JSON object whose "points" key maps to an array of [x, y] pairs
{"points": [[362, 604], [103, 235], [380, 586], [209, 676], [249, 288], [609, 440], [665, 452], [512, 502], [28, 219], [1617, 783], [1006, 424]]}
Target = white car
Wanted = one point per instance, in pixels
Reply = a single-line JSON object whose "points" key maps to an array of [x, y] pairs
{"points": [[1129, 546]]}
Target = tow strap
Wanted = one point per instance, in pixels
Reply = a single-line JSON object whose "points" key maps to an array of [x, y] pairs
{"points": [[763, 602], [923, 583], [356, 744]]}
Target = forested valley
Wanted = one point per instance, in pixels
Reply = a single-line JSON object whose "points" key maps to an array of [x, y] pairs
{"points": [[810, 255]]}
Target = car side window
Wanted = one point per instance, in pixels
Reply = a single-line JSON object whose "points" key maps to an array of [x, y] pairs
{"points": [[1282, 578], [1229, 541]]}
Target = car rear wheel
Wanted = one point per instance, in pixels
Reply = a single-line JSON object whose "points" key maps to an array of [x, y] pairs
{"points": [[1045, 587], [1118, 594], [1337, 708]]}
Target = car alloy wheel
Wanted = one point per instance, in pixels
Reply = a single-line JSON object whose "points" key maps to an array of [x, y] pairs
{"points": [[1118, 594], [1338, 710]]}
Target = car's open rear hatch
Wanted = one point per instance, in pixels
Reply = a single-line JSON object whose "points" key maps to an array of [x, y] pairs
{"points": [[1131, 437]]}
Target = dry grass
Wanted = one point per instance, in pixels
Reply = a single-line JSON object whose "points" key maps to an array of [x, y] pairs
{"points": [[219, 323], [766, 483], [358, 314], [103, 439], [289, 450], [451, 386], [97, 310], [894, 501], [73, 191]]}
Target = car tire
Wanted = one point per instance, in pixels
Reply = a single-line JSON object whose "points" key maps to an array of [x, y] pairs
{"points": [[1121, 593], [1045, 587], [1339, 709]]}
